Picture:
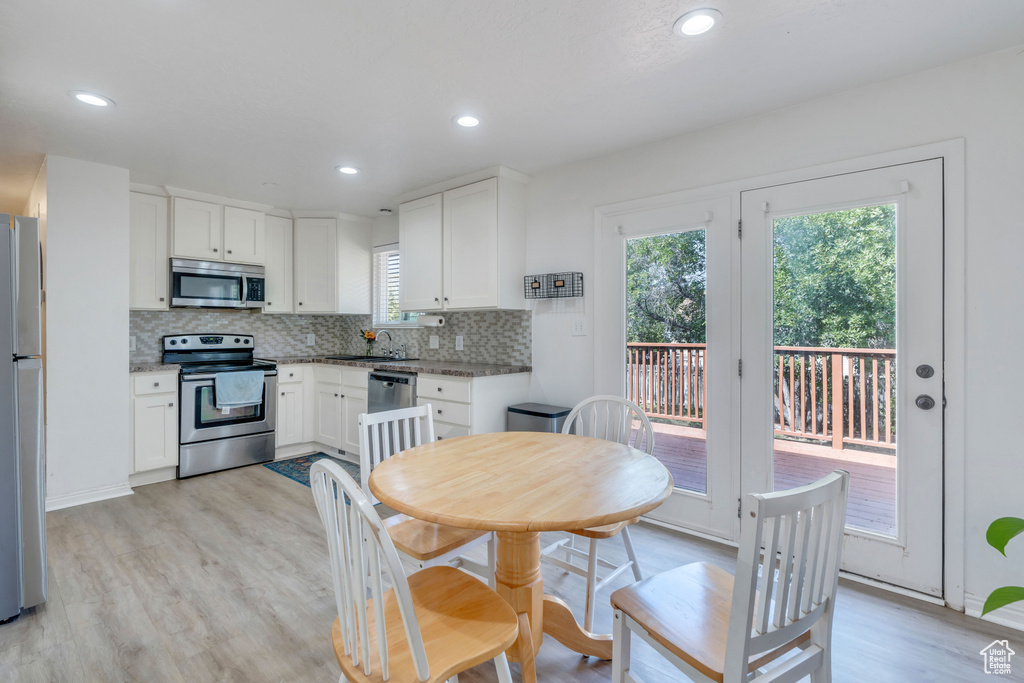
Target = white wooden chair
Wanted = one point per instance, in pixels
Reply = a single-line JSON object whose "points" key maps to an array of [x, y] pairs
{"points": [[383, 434], [428, 626], [610, 418], [716, 629]]}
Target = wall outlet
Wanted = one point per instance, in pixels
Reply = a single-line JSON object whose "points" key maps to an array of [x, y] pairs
{"points": [[131, 342], [310, 340], [579, 327], [435, 342], [458, 342]]}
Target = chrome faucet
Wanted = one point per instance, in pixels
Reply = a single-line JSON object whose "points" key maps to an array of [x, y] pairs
{"points": [[391, 342]]}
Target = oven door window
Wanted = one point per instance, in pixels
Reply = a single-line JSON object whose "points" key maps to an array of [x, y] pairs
{"points": [[209, 415], [207, 287]]}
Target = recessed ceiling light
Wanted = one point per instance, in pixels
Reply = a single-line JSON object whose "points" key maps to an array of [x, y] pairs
{"points": [[697, 22], [91, 98], [348, 170], [467, 121]]}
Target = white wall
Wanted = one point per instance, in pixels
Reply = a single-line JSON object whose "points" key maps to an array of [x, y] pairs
{"points": [[980, 100], [87, 388]]}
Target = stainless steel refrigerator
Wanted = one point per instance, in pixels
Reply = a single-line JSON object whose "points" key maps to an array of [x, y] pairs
{"points": [[22, 481]]}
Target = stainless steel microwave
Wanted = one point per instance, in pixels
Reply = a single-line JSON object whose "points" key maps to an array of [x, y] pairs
{"points": [[214, 284]]}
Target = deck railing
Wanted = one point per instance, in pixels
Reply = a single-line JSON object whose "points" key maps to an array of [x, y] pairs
{"points": [[840, 395]]}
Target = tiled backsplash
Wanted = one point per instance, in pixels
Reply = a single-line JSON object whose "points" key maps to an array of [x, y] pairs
{"points": [[488, 336]]}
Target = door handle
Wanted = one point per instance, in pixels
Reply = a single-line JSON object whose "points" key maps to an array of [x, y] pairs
{"points": [[925, 402]]}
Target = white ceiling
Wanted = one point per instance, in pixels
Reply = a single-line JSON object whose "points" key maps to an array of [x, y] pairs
{"points": [[261, 99]]}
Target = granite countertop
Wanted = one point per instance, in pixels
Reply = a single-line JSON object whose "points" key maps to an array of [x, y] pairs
{"points": [[427, 367], [153, 367]]}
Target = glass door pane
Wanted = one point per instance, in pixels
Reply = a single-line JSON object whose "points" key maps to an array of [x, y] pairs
{"points": [[834, 390], [666, 348]]}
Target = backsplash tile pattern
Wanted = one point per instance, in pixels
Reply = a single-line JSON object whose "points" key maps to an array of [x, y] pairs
{"points": [[488, 336]]}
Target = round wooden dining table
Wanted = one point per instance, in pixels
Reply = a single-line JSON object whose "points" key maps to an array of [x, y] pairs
{"points": [[519, 484]]}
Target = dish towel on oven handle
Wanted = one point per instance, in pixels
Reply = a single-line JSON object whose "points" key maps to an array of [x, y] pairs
{"points": [[238, 389]]}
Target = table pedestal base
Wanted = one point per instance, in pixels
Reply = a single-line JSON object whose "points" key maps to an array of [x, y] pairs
{"points": [[519, 581]]}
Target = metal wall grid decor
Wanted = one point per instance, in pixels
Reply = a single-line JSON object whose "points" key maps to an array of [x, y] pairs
{"points": [[553, 285]]}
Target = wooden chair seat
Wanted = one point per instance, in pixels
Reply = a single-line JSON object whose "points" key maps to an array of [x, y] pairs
{"points": [[687, 611], [425, 540], [463, 623], [605, 531]]}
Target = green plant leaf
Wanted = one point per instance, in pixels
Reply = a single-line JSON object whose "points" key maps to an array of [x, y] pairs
{"points": [[1001, 597], [1002, 530]]}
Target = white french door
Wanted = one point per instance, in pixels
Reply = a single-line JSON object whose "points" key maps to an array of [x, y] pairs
{"points": [[697, 379], [842, 356]]}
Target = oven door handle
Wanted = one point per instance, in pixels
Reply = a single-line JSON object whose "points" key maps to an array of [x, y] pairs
{"points": [[211, 375]]}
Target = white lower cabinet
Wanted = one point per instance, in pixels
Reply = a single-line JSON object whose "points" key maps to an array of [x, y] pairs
{"points": [[154, 421], [476, 405], [320, 405], [327, 414], [289, 414]]}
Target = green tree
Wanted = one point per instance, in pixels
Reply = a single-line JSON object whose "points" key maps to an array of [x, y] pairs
{"points": [[665, 288], [835, 278]]}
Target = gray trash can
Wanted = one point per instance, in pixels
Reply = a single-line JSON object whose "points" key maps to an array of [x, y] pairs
{"points": [[535, 417]]}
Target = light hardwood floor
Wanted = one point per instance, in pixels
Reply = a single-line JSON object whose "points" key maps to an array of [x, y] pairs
{"points": [[225, 578]]}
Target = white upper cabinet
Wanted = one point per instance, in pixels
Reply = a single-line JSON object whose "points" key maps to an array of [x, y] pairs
{"points": [[355, 260], [278, 263], [471, 246], [213, 232], [332, 266], [464, 248], [198, 230], [316, 265], [421, 284], [147, 243], [244, 236]]}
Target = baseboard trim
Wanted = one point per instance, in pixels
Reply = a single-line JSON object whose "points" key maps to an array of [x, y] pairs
{"points": [[152, 476], [88, 496], [1011, 616]]}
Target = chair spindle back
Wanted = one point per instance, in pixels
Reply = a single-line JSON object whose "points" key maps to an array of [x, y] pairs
{"points": [[384, 434], [611, 418], [787, 570], [360, 549]]}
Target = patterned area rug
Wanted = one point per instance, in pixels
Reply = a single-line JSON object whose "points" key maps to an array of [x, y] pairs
{"points": [[297, 469]]}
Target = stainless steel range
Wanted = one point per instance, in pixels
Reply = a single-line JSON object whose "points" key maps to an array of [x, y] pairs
{"points": [[214, 435]]}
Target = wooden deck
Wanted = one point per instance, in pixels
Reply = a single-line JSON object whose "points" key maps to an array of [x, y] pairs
{"points": [[872, 477]]}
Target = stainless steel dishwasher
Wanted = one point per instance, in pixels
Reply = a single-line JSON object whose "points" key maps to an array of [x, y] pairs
{"points": [[390, 390]]}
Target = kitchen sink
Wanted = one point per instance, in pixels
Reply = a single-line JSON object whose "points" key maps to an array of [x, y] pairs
{"points": [[369, 359]]}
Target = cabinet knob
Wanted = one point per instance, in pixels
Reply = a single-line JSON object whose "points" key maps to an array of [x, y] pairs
{"points": [[343, 395], [336, 396], [436, 300], [229, 251], [439, 390], [161, 298], [156, 384], [300, 303], [215, 248], [170, 405], [270, 303], [282, 393], [446, 299], [439, 438], [291, 374], [440, 412]]}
